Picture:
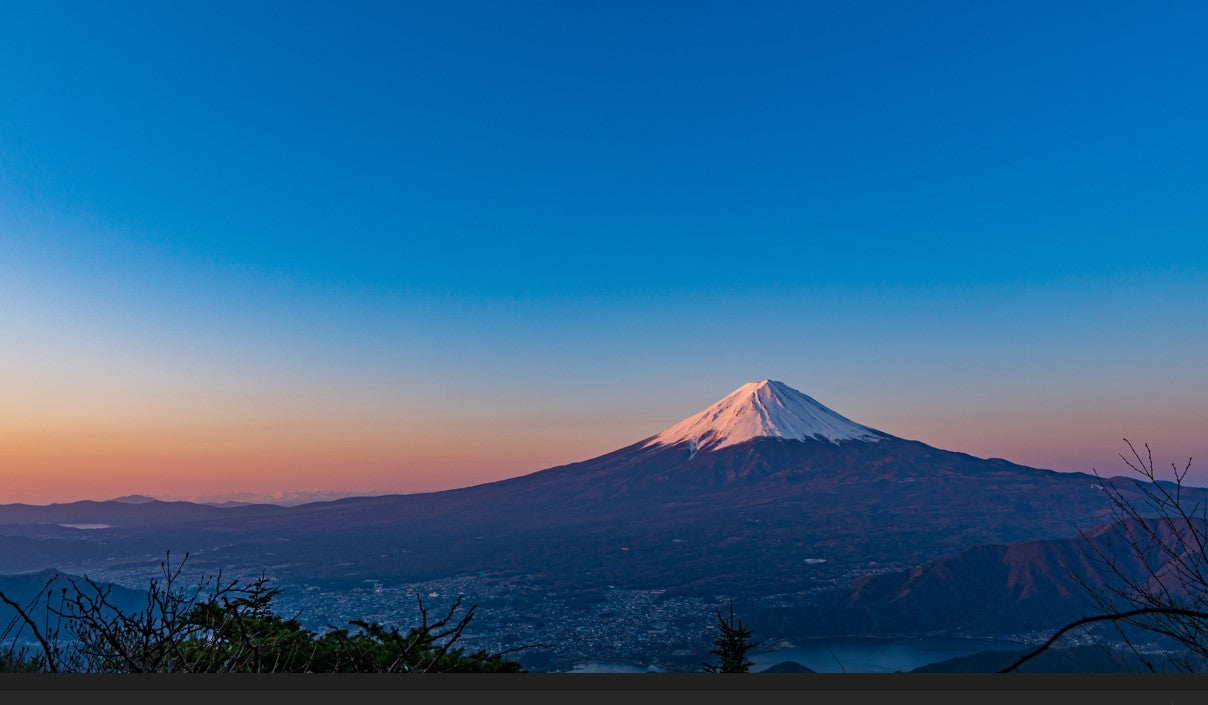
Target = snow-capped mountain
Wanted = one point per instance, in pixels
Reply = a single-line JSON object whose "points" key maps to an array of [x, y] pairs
{"points": [[765, 490], [765, 409], [765, 494]]}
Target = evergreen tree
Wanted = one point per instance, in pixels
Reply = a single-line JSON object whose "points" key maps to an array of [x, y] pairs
{"points": [[731, 646]]}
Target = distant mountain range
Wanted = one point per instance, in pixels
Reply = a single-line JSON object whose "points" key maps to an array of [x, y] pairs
{"points": [[241, 499]]}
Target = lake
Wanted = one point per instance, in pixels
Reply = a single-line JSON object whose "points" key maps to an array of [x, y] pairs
{"points": [[602, 667], [857, 655], [868, 655]]}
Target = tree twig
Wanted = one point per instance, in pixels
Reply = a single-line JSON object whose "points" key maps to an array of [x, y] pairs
{"points": [[1169, 611]]}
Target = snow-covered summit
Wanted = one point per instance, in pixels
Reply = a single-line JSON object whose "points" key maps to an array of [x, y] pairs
{"points": [[763, 409]]}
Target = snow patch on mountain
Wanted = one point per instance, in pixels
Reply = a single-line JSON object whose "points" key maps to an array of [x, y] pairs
{"points": [[765, 409]]}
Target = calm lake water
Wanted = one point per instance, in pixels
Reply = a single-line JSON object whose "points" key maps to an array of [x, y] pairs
{"points": [[602, 667], [856, 655], [878, 655]]}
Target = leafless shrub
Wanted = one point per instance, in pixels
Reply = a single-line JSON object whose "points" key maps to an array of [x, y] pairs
{"points": [[1153, 555], [220, 625]]}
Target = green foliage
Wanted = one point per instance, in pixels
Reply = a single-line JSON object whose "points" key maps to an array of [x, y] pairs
{"points": [[230, 627], [15, 660], [731, 646], [240, 637]]}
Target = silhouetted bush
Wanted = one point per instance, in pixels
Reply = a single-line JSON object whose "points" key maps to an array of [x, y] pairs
{"points": [[223, 626], [1157, 564]]}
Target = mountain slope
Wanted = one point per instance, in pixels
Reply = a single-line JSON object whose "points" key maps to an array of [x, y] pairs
{"points": [[992, 589], [29, 591], [1076, 659]]}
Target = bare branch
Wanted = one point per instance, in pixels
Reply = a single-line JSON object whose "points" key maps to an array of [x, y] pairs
{"points": [[1103, 618]]}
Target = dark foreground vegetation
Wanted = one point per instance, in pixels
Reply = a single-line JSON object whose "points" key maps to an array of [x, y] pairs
{"points": [[220, 626]]}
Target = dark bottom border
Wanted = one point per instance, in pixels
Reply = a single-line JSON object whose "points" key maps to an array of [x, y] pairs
{"points": [[1015, 682]]}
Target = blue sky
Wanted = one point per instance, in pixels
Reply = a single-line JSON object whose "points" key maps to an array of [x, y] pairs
{"points": [[978, 224]]}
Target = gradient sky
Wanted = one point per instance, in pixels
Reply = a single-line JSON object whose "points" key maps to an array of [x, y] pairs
{"points": [[265, 247]]}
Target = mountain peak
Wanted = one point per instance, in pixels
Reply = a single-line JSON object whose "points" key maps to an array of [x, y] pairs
{"points": [[764, 409], [134, 499]]}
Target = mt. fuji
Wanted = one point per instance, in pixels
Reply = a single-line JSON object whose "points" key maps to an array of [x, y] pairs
{"points": [[767, 486], [766, 491], [764, 409], [767, 494]]}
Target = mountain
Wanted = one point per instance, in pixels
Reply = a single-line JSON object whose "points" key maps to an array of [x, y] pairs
{"points": [[998, 589], [113, 512], [765, 492], [1075, 659], [767, 482], [29, 590], [788, 667], [815, 523], [134, 499]]}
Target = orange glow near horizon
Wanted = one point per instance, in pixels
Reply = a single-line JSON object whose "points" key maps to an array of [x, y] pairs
{"points": [[101, 462], [175, 459], [233, 266]]}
